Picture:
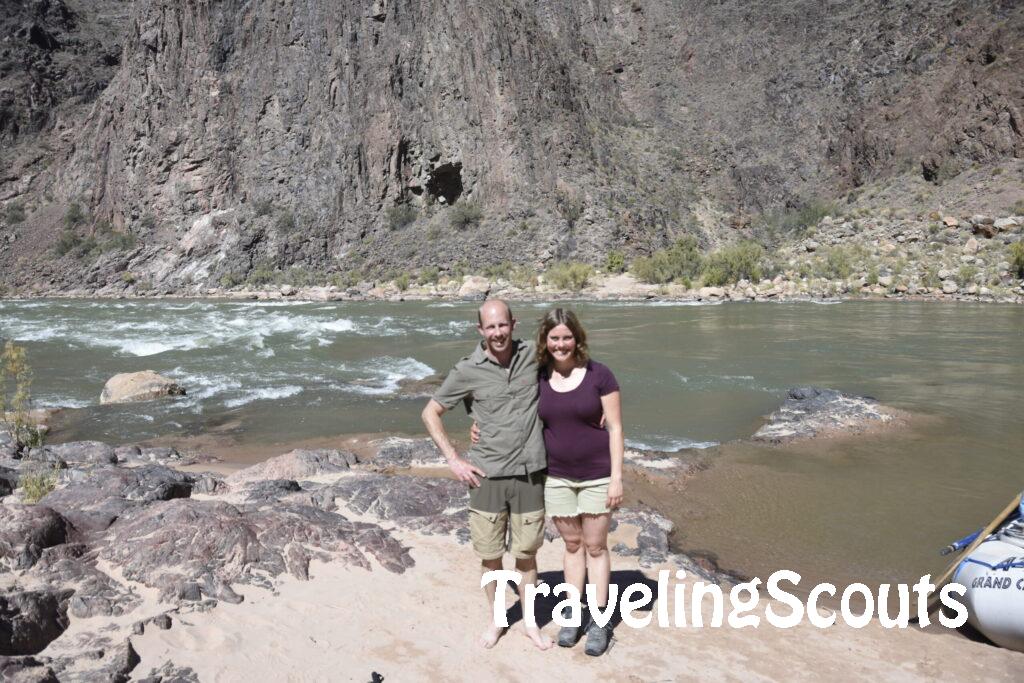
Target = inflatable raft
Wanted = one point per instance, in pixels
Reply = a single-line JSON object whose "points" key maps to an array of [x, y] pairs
{"points": [[993, 574]]}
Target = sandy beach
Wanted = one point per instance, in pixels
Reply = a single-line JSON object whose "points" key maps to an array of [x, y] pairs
{"points": [[346, 623]]}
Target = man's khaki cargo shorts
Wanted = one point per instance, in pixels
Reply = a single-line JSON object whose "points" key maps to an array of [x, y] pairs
{"points": [[503, 503]]}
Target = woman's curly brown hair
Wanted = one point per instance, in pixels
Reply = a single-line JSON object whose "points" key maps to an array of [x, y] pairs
{"points": [[551, 320]]}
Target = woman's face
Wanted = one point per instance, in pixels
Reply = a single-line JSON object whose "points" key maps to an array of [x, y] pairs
{"points": [[561, 343]]}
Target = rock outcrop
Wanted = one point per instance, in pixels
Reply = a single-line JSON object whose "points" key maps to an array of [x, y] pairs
{"points": [[810, 411]]}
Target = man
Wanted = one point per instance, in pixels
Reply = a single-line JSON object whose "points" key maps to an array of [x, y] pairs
{"points": [[505, 469]]}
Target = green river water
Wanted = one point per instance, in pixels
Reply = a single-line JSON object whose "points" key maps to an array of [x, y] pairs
{"points": [[873, 508]]}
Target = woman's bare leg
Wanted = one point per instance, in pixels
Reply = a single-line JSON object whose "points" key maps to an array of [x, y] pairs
{"points": [[575, 560], [598, 561]]}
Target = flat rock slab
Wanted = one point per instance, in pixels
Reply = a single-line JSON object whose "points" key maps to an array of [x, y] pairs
{"points": [[297, 464], [808, 412], [92, 498], [425, 505], [178, 545], [401, 453], [73, 452]]}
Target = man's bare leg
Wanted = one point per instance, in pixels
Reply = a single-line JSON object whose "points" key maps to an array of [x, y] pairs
{"points": [[493, 632], [528, 568]]}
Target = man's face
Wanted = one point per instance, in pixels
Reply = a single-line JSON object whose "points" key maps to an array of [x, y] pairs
{"points": [[496, 327]]}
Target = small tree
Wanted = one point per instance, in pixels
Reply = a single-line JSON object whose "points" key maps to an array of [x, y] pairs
{"points": [[16, 398]]}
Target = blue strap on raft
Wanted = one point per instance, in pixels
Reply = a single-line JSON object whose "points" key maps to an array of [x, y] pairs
{"points": [[957, 546]]}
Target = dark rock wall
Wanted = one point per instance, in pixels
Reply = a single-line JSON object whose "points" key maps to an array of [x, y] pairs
{"points": [[575, 127]]}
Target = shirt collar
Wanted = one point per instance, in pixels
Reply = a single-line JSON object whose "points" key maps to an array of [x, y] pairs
{"points": [[480, 356]]}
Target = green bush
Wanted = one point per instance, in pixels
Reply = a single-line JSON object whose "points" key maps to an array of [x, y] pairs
{"points": [[572, 276], [16, 397], [263, 207], [347, 279], [15, 213], [838, 264], [742, 261], [681, 260], [1018, 208], [35, 485], [872, 278], [67, 242], [74, 215], [798, 221], [570, 207], [429, 275], [499, 271], [465, 215], [261, 274], [614, 262], [524, 277], [148, 221], [965, 275], [229, 280], [285, 221], [119, 241], [400, 215], [128, 278], [402, 282], [1017, 258]]}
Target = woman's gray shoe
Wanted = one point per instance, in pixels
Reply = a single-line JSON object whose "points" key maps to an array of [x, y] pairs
{"points": [[570, 635], [598, 638]]}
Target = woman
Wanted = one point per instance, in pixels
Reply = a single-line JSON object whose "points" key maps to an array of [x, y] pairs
{"points": [[584, 482]]}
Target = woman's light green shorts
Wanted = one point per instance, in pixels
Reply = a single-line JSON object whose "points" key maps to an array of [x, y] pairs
{"points": [[571, 497]]}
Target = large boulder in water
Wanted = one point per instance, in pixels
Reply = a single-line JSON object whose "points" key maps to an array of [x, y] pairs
{"points": [[139, 386]]}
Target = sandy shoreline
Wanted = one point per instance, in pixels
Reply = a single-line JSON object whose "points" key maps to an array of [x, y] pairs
{"points": [[346, 623]]}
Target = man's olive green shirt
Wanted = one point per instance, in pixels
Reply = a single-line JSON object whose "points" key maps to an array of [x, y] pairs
{"points": [[503, 401]]}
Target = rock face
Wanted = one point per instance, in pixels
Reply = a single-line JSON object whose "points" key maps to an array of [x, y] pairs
{"points": [[138, 386], [265, 137], [25, 531], [29, 620], [809, 411]]}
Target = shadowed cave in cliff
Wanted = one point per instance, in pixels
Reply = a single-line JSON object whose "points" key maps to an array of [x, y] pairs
{"points": [[445, 182]]}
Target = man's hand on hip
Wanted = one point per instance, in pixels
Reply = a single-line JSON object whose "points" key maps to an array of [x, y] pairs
{"points": [[465, 471]]}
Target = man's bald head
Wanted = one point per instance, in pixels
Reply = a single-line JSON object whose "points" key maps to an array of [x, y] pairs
{"points": [[493, 307]]}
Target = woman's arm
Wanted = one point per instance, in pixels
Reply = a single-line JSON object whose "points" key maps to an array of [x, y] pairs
{"points": [[611, 403]]}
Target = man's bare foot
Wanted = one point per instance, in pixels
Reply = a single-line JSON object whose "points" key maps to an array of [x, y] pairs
{"points": [[491, 635], [539, 639]]}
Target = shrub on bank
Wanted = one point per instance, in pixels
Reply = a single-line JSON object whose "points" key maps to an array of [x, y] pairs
{"points": [[400, 215], [1017, 258], [68, 241], [572, 276], [615, 262], [681, 260], [838, 264], [402, 282], [428, 275], [35, 485], [728, 265], [465, 215]]}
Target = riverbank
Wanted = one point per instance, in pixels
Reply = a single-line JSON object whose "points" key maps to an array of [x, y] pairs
{"points": [[327, 564], [858, 254]]}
